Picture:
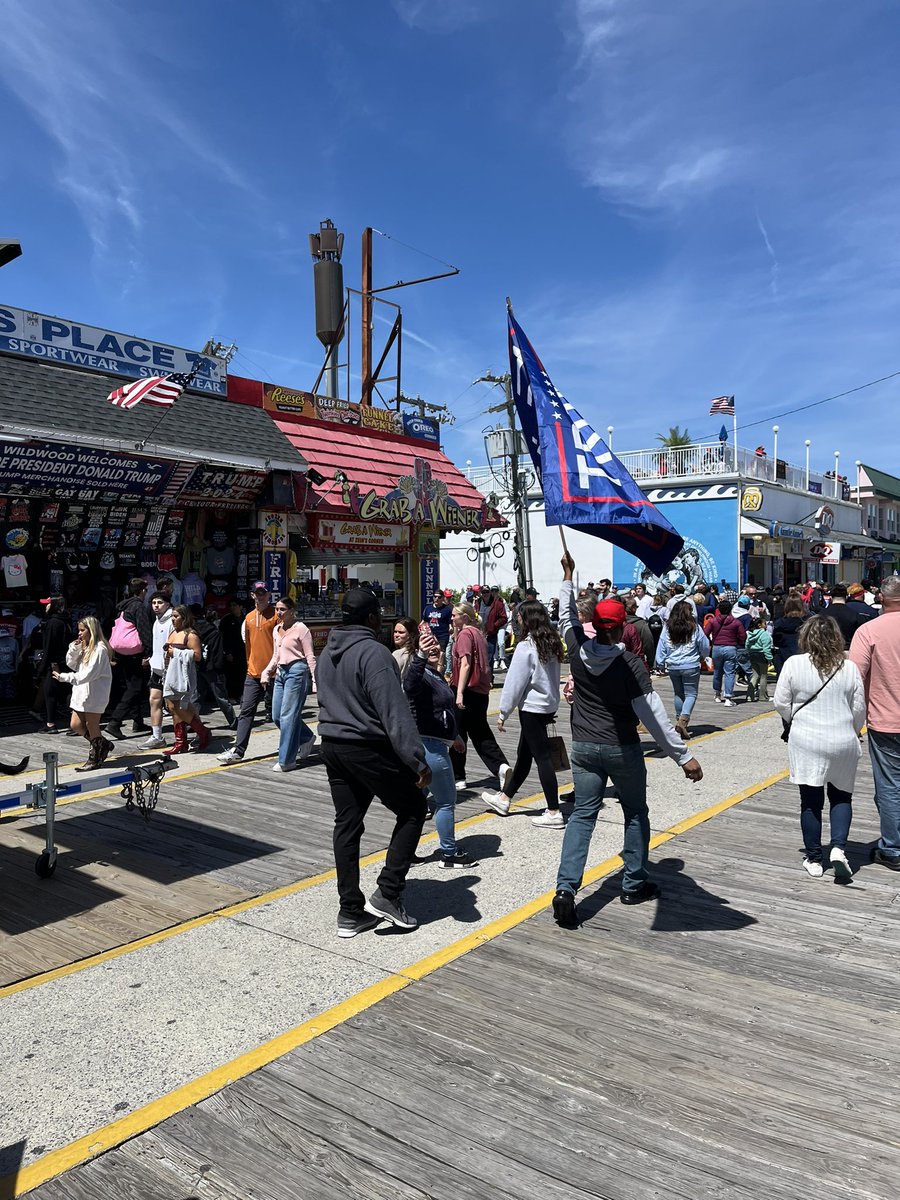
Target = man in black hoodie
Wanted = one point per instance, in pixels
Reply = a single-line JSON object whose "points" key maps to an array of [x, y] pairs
{"points": [[371, 747]]}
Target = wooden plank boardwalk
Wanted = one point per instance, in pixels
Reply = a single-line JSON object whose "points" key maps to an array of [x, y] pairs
{"points": [[217, 838], [735, 1041]]}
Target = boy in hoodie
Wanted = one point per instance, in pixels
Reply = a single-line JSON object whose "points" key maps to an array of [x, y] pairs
{"points": [[612, 694], [371, 747]]}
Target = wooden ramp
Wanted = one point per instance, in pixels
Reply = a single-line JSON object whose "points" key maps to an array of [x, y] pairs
{"points": [[736, 1041]]}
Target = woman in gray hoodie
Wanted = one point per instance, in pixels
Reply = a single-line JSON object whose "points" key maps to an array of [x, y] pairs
{"points": [[532, 687]]}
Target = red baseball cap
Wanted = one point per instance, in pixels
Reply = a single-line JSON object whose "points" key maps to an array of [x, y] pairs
{"points": [[609, 613]]}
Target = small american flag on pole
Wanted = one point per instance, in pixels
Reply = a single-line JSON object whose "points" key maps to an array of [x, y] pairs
{"points": [[722, 404], [159, 390]]}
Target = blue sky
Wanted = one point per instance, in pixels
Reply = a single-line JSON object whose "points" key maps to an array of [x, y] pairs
{"points": [[682, 199]]}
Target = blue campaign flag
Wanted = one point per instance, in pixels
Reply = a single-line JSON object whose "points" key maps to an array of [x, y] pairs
{"points": [[723, 434], [584, 484]]}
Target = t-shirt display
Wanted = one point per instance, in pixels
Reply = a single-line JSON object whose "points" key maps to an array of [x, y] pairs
{"points": [[15, 570]]}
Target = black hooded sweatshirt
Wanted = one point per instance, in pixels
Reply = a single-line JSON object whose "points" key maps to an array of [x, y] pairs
{"points": [[361, 698]]}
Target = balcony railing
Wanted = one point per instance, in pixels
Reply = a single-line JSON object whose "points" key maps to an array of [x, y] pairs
{"points": [[698, 461]]}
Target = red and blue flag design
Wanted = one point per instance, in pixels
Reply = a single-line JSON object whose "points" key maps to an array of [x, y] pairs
{"points": [[584, 484]]}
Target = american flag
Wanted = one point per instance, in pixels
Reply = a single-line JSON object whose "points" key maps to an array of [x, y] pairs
{"points": [[722, 404], [159, 390]]}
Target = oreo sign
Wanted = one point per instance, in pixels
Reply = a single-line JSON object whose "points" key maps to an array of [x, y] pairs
{"points": [[421, 427]]}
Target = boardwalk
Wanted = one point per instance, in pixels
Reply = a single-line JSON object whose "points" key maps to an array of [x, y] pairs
{"points": [[731, 1041]]}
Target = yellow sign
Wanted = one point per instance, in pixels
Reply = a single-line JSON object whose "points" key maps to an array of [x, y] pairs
{"points": [[752, 499]]}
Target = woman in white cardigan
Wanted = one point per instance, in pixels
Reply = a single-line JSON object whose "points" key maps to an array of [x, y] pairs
{"points": [[90, 659], [532, 687], [823, 746]]}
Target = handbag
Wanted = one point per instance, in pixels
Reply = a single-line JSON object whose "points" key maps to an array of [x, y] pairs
{"points": [[124, 638], [786, 730], [559, 755]]}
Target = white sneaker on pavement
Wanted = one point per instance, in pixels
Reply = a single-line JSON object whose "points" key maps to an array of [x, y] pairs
{"points": [[503, 776], [461, 785], [229, 756], [551, 819], [497, 802], [729, 703], [813, 868], [153, 743], [279, 767], [843, 872]]}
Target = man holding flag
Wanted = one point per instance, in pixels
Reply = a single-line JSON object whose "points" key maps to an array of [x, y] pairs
{"points": [[587, 488]]}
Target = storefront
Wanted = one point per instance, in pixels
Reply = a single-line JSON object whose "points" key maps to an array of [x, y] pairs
{"points": [[372, 508], [92, 494]]}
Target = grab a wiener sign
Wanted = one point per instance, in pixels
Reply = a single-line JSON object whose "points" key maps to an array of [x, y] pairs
{"points": [[69, 343]]}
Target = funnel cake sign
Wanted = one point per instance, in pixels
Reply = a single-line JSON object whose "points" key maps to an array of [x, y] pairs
{"points": [[418, 499]]}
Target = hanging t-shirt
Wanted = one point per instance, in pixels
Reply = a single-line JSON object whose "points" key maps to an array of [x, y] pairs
{"points": [[220, 562], [15, 570], [193, 588]]}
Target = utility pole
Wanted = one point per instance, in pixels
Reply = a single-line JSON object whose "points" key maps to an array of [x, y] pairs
{"points": [[442, 414], [518, 493]]}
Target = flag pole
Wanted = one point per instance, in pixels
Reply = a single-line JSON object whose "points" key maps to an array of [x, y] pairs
{"points": [[734, 435], [562, 538], [190, 379]]}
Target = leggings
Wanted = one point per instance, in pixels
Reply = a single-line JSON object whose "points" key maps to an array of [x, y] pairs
{"points": [[472, 725], [534, 747]]}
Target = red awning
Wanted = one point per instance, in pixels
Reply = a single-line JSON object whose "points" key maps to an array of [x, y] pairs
{"points": [[371, 464]]}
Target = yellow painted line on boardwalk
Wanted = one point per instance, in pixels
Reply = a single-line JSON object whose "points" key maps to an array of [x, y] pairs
{"points": [[142, 1119], [300, 885], [114, 1134], [230, 910]]}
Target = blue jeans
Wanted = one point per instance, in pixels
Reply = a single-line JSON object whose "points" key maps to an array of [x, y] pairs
{"points": [[291, 688], [884, 751], [685, 685], [442, 792], [592, 765], [724, 661], [812, 801]]}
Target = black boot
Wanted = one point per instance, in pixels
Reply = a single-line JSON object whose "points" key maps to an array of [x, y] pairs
{"points": [[93, 759]]}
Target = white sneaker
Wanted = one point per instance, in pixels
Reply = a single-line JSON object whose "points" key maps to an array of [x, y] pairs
{"points": [[843, 872], [229, 756], [461, 785], [153, 743], [813, 868], [503, 776], [729, 704], [549, 820], [717, 698], [279, 767], [497, 802], [305, 750]]}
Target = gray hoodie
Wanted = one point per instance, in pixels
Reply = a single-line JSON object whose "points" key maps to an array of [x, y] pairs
{"points": [[361, 697]]}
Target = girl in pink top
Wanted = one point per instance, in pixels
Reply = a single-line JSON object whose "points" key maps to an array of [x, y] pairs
{"points": [[293, 666]]}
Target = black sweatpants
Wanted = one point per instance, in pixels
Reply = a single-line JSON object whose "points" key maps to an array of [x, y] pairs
{"points": [[472, 725], [357, 773], [534, 747]]}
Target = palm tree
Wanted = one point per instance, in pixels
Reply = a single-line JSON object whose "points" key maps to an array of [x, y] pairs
{"points": [[674, 438]]}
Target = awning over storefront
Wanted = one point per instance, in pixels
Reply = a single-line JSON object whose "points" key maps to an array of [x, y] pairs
{"points": [[751, 528], [381, 478], [855, 539], [60, 436]]}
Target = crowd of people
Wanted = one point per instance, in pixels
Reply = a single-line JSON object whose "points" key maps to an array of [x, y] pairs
{"points": [[401, 724]]}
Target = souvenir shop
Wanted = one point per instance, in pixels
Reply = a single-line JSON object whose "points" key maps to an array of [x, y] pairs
{"points": [[371, 508], [92, 494]]}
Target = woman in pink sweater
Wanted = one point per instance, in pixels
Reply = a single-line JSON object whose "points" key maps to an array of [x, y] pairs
{"points": [[293, 666]]}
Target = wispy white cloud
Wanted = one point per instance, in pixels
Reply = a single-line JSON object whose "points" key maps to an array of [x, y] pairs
{"points": [[439, 16], [72, 68], [774, 274]]}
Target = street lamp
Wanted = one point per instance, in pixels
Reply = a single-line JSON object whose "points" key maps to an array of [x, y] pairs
{"points": [[807, 444], [609, 435], [837, 459], [9, 250], [775, 451], [858, 470]]}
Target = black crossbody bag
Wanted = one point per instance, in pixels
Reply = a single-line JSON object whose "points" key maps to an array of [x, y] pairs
{"points": [[786, 731]]}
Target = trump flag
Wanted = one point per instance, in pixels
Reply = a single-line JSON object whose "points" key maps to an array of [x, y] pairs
{"points": [[584, 484]]}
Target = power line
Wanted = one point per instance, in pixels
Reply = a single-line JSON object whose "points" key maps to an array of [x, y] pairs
{"points": [[815, 403]]}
